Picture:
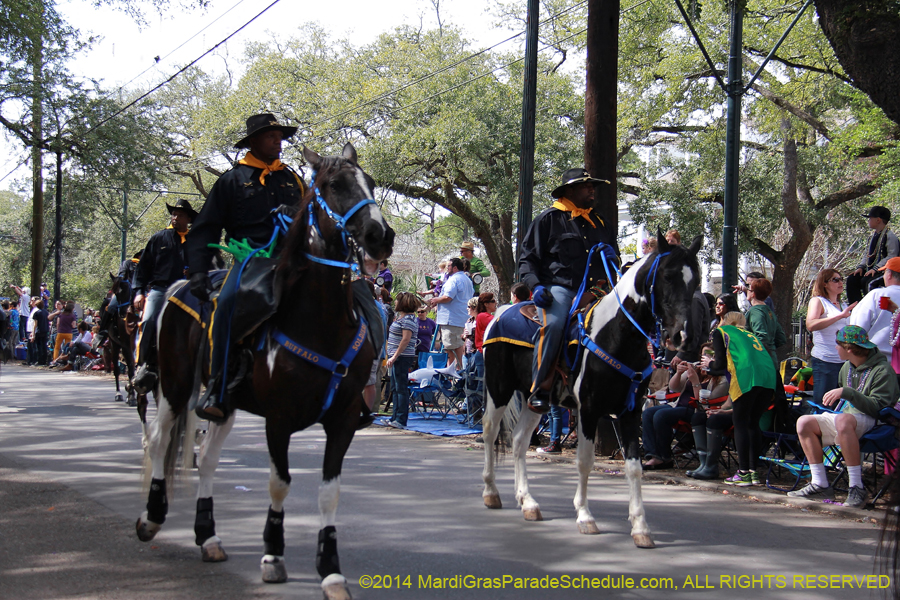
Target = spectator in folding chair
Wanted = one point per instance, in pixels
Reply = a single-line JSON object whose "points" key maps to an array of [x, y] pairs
{"points": [[80, 346], [468, 335], [870, 384], [740, 353]]}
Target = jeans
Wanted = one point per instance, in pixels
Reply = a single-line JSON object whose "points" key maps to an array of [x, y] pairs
{"points": [[400, 382], [549, 338], [153, 305], [556, 423], [658, 424], [825, 377]]}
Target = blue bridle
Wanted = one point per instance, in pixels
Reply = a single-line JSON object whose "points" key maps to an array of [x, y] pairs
{"points": [[585, 341], [340, 223], [338, 368]]}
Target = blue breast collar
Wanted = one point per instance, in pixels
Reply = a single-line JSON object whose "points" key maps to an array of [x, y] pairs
{"points": [[338, 369]]}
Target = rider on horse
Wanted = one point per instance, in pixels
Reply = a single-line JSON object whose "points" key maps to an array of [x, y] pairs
{"points": [[110, 305], [240, 202], [162, 264], [554, 255]]}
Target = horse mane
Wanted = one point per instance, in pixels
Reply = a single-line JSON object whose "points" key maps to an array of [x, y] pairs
{"points": [[292, 262]]}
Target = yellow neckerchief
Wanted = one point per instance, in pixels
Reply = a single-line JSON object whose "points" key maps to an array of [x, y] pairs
{"points": [[135, 260], [566, 205], [252, 161], [181, 235]]}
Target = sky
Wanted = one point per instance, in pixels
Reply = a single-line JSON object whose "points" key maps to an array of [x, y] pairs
{"points": [[125, 54]]}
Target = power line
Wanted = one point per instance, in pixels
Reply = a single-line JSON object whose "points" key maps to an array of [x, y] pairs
{"points": [[182, 45], [179, 72]]}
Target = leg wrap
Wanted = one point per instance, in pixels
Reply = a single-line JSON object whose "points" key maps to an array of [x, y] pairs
{"points": [[157, 503], [204, 523], [273, 535], [327, 561]]}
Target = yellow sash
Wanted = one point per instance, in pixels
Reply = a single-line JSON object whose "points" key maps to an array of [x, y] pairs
{"points": [[252, 161], [566, 205]]}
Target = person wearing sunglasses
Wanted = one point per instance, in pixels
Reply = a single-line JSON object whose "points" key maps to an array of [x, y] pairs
{"points": [[826, 315]]}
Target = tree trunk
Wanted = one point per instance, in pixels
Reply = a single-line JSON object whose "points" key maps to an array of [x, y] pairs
{"points": [[36, 61], [600, 103], [600, 118], [864, 35]]}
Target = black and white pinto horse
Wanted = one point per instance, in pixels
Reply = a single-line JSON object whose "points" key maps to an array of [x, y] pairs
{"points": [[338, 220], [647, 293]]}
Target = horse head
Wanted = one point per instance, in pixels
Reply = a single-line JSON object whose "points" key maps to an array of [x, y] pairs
{"points": [[341, 190], [667, 280], [121, 292]]}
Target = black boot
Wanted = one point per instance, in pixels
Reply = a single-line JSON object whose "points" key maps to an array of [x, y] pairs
{"points": [[210, 407], [710, 469], [145, 379], [539, 401]]}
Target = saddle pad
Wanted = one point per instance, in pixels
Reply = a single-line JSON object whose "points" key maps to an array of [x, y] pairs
{"points": [[186, 301], [512, 327]]}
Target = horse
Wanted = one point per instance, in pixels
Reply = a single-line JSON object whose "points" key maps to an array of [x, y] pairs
{"points": [[657, 290], [122, 341], [338, 220]]}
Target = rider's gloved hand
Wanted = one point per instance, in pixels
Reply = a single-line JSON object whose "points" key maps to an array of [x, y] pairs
{"points": [[288, 211], [542, 297], [201, 287]]}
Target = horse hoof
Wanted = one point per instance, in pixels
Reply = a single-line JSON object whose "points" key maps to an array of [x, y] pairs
{"points": [[212, 551], [493, 501], [334, 587], [532, 514], [642, 540], [146, 531], [119, 397], [273, 569], [590, 528]]}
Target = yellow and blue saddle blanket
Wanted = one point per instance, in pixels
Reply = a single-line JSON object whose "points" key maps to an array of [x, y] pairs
{"points": [[513, 327], [186, 301]]}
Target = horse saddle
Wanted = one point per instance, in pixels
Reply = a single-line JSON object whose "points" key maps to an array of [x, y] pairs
{"points": [[186, 301], [517, 327]]}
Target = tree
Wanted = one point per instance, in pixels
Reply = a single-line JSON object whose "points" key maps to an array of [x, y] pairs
{"points": [[864, 34]]}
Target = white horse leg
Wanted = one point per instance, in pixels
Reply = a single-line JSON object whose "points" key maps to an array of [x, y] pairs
{"points": [[528, 420], [334, 585], [274, 569], [490, 424], [585, 462], [152, 519], [211, 549], [640, 531]]}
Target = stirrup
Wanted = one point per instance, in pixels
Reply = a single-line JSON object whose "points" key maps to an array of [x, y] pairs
{"points": [[539, 401], [210, 410]]}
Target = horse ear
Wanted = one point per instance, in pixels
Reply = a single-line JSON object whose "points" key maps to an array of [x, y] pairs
{"points": [[311, 157], [349, 152], [695, 245], [111, 276], [661, 244]]}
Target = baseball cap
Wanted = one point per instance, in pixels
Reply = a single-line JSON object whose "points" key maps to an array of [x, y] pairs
{"points": [[893, 264], [879, 211], [854, 334]]}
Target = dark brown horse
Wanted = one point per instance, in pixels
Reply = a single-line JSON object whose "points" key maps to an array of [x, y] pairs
{"points": [[123, 329], [338, 220]]}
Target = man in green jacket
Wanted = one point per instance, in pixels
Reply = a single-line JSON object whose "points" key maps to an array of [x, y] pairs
{"points": [[869, 384], [476, 265]]}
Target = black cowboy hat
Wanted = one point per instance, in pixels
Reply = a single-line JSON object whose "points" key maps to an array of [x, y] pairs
{"points": [[264, 122], [182, 204], [571, 177]]}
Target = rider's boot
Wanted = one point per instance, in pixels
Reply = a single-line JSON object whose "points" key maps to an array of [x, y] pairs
{"points": [[145, 379], [211, 407], [541, 398]]}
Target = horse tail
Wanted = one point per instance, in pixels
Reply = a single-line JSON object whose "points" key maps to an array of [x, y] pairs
{"points": [[508, 424]]}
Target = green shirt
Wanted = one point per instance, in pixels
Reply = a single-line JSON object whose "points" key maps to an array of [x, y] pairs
{"points": [[476, 266], [748, 362]]}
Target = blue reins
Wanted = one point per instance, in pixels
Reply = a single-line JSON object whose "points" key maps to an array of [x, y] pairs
{"points": [[340, 223], [585, 340]]}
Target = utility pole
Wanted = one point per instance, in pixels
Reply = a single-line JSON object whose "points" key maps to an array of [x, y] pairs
{"points": [[57, 242], [734, 88], [124, 224], [600, 103], [526, 155]]}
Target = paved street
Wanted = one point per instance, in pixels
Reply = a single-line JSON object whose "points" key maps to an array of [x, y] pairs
{"points": [[70, 491]]}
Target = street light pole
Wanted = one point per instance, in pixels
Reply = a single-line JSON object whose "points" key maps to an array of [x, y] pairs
{"points": [[735, 91], [529, 100]]}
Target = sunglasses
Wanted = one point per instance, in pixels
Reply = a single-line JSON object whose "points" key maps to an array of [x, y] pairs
{"points": [[421, 312], [837, 280]]}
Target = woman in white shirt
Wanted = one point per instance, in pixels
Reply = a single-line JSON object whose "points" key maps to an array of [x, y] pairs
{"points": [[827, 313]]}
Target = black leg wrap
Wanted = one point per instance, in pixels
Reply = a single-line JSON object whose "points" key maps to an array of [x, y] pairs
{"points": [[204, 524], [157, 503], [327, 561], [273, 535]]}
